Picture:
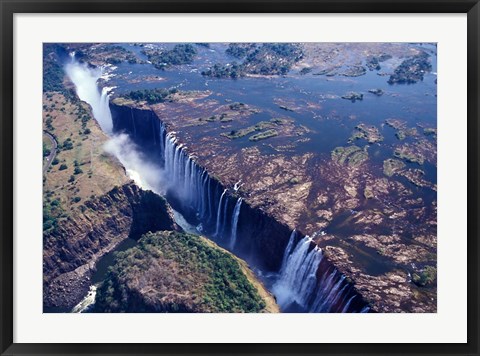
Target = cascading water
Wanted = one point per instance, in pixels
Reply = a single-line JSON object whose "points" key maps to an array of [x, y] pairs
{"points": [[298, 281], [85, 80], [236, 215], [145, 175], [288, 249], [219, 214], [298, 275]]}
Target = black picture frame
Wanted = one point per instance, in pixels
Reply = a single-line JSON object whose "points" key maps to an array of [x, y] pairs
{"points": [[9, 7]]}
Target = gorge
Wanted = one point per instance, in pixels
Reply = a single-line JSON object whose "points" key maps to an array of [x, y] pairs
{"points": [[218, 212], [330, 202]]}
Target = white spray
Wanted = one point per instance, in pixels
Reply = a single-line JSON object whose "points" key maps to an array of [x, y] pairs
{"points": [[85, 80]]}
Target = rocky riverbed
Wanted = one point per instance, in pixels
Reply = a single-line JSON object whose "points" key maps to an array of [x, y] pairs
{"points": [[357, 175]]}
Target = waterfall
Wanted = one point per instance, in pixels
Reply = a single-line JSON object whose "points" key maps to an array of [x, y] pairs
{"points": [[365, 309], [326, 285], [298, 282], [331, 295], [85, 81], [224, 217], [347, 306], [288, 249], [219, 213], [236, 214], [298, 275], [162, 135], [133, 123], [209, 195]]}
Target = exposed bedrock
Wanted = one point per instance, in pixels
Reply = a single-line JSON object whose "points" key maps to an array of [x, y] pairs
{"points": [[221, 213], [100, 224]]}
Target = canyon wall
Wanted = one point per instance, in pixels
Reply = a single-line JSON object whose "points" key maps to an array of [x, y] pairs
{"points": [[72, 249], [253, 235]]}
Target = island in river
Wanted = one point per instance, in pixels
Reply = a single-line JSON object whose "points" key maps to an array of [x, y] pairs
{"points": [[333, 144]]}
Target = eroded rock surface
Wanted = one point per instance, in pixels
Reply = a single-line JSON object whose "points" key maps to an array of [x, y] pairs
{"points": [[369, 203]]}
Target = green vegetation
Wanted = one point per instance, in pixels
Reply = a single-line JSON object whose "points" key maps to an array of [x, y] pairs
{"points": [[429, 131], [233, 71], [52, 75], [410, 155], [240, 50], [373, 62], [404, 133], [151, 96], [176, 272], [237, 106], [294, 180], [353, 96], [239, 133], [369, 133], [117, 54], [234, 134], [427, 276], [305, 70], [354, 71], [263, 135], [264, 59], [273, 58], [46, 150], [392, 166], [180, 54], [52, 210], [67, 144], [68, 128], [377, 92], [353, 155], [411, 70]]}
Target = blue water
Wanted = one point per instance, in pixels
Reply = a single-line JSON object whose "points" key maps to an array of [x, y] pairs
{"points": [[321, 109]]}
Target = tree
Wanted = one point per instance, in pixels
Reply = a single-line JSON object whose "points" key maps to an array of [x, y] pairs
{"points": [[77, 170]]}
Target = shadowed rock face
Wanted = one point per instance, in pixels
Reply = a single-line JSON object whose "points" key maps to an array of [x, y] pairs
{"points": [[255, 226], [363, 185], [263, 233], [142, 126], [309, 192], [73, 248]]}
